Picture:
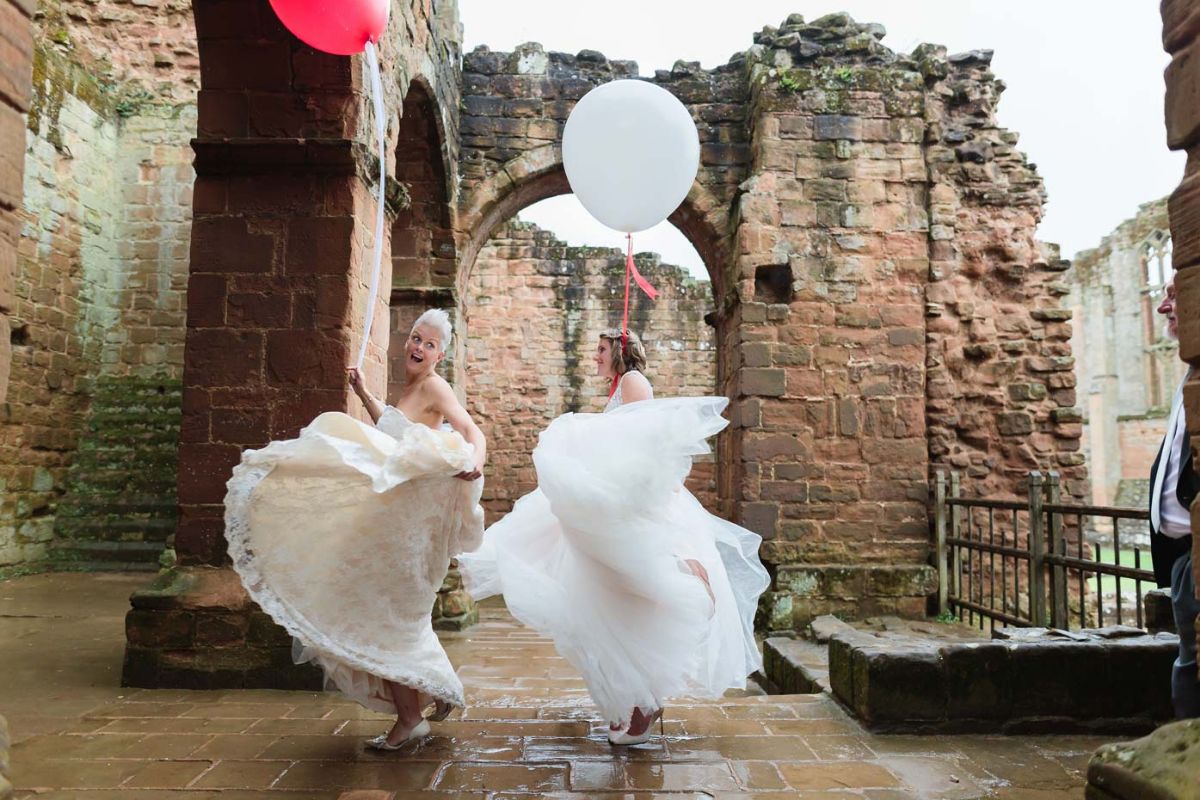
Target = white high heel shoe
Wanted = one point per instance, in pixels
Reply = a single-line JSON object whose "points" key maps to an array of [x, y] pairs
{"points": [[623, 737], [418, 731]]}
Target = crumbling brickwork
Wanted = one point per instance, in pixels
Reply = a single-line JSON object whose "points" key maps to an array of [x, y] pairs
{"points": [[535, 307], [89, 447]]}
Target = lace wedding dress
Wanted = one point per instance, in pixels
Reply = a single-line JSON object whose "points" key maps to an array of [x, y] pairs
{"points": [[344, 534], [596, 558]]}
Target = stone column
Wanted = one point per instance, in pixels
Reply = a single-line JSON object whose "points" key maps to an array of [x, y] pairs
{"points": [[1181, 38], [16, 64], [280, 248]]}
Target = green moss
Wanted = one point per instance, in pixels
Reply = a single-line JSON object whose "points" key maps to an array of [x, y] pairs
{"points": [[789, 84], [55, 77]]}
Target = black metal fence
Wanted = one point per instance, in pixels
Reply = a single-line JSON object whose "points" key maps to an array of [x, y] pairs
{"points": [[1037, 562]]}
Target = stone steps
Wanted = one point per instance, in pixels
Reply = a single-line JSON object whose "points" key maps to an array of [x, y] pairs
{"points": [[103, 556], [795, 666], [120, 505]]}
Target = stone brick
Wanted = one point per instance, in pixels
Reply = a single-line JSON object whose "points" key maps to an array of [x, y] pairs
{"points": [[223, 357], [223, 244], [1183, 97], [763, 382], [203, 471], [835, 126]]}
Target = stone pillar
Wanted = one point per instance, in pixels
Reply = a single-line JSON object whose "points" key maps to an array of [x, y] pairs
{"points": [[16, 64], [1181, 38], [280, 248]]}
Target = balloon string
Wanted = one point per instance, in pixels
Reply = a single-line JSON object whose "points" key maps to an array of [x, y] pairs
{"points": [[631, 271], [377, 257]]}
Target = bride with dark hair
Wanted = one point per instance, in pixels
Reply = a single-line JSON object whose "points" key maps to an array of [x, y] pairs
{"points": [[647, 594]]}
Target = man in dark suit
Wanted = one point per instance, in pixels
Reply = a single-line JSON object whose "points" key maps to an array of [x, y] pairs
{"points": [[1173, 485]]}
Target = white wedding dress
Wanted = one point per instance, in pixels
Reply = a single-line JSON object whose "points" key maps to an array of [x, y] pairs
{"points": [[596, 558], [344, 534]]}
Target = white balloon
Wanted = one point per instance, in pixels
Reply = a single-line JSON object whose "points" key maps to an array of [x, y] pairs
{"points": [[631, 152]]}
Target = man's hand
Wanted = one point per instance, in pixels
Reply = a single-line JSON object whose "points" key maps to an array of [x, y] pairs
{"points": [[473, 474]]}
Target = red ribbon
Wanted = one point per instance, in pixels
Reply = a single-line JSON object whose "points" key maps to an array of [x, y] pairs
{"points": [[631, 271]]}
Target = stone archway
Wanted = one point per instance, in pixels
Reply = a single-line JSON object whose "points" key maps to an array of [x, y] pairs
{"points": [[537, 175]]}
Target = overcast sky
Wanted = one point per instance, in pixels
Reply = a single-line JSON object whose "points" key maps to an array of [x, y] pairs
{"points": [[1084, 84]]}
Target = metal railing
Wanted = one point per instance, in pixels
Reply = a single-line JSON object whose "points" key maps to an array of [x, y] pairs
{"points": [[1039, 542]]}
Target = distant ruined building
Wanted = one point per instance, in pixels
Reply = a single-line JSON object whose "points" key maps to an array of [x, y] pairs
{"points": [[1127, 367]]}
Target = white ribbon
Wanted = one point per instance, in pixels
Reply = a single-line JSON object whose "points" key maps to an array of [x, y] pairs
{"points": [[377, 258]]}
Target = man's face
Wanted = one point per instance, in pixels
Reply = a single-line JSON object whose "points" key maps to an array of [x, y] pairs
{"points": [[1167, 309]]}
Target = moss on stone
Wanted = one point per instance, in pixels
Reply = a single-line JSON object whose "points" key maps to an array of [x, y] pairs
{"points": [[1164, 764]]}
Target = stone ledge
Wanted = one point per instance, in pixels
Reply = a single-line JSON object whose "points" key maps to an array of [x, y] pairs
{"points": [[1033, 683], [196, 628], [795, 666], [1162, 766], [801, 593]]}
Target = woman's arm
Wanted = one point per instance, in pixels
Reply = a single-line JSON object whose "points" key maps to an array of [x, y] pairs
{"points": [[374, 407], [634, 387], [446, 404]]}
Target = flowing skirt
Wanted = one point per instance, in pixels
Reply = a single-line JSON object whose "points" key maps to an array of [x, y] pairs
{"points": [[597, 558], [344, 534]]}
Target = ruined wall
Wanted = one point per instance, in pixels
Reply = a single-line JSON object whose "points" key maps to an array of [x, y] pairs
{"points": [[88, 447], [883, 307], [535, 307], [1000, 387], [1127, 369]]}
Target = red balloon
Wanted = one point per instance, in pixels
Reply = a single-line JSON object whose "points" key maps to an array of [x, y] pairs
{"points": [[340, 27]]}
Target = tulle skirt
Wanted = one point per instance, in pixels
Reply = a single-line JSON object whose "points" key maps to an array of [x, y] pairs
{"points": [[597, 558], [344, 534]]}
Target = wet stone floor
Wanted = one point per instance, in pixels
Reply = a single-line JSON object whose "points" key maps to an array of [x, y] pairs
{"points": [[528, 731]]}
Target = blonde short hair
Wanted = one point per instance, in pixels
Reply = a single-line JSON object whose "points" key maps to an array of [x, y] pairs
{"points": [[634, 355], [439, 320]]}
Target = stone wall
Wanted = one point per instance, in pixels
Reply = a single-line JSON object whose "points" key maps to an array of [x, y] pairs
{"points": [[1128, 370], [534, 309], [883, 306], [16, 61], [89, 437]]}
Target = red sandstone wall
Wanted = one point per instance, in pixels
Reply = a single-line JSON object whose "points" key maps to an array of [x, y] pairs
{"points": [[534, 309], [1001, 388], [1140, 439], [16, 59], [99, 280]]}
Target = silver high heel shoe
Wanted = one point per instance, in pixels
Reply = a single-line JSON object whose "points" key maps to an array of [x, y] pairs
{"points": [[441, 710], [418, 732]]}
